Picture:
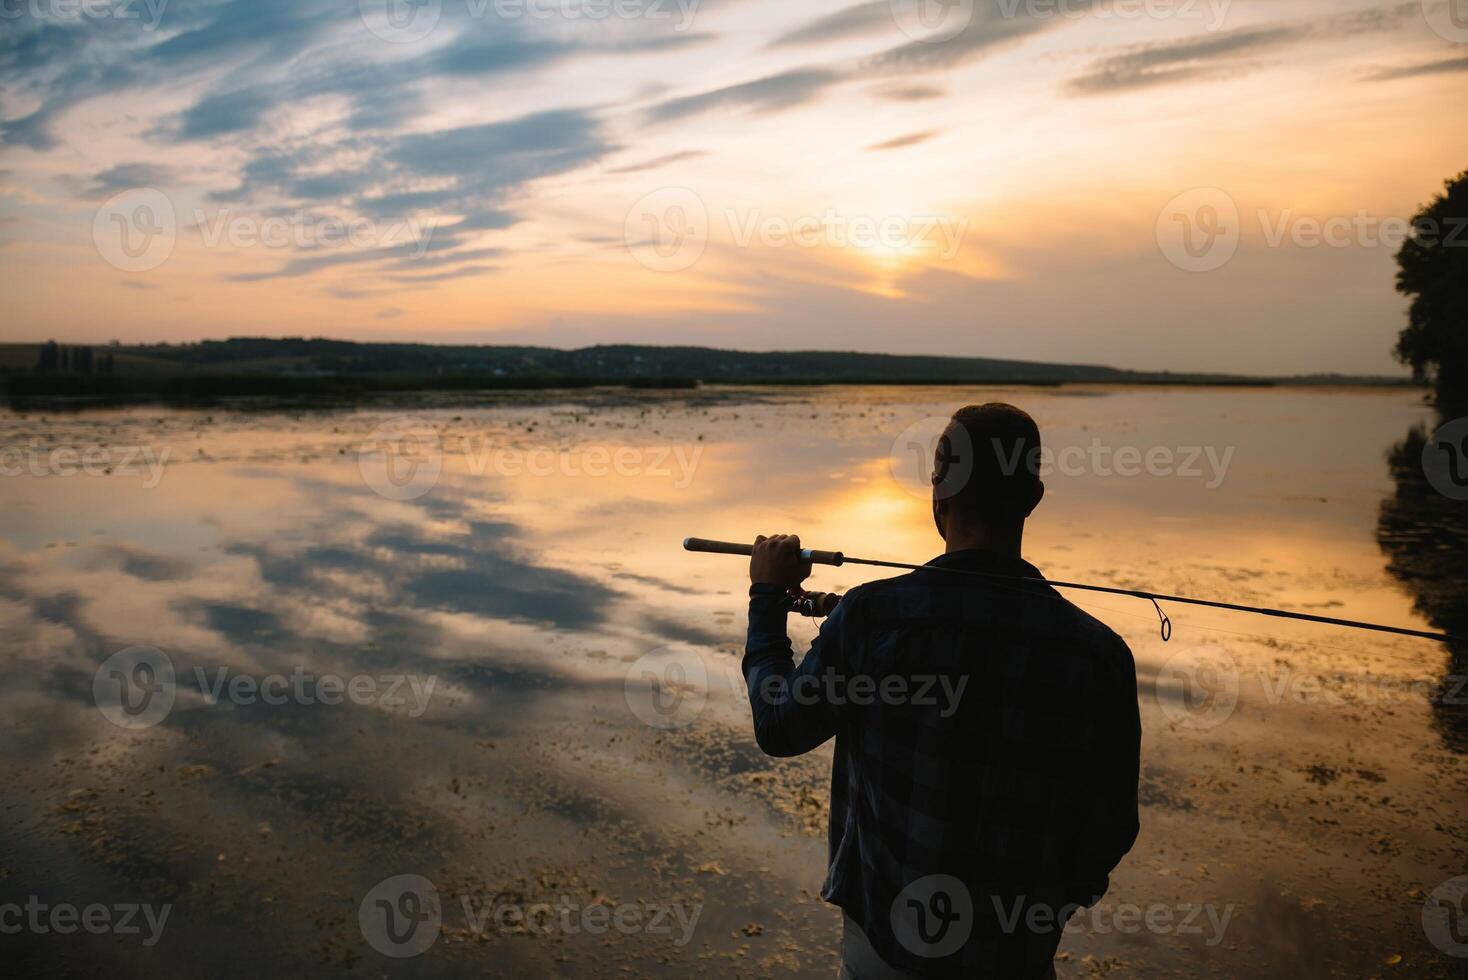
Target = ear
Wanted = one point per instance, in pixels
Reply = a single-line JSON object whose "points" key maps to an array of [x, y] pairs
{"points": [[1038, 496]]}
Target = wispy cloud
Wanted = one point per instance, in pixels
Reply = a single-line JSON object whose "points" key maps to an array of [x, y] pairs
{"points": [[909, 93], [126, 176], [659, 162], [1226, 54], [1444, 67], [770, 94], [858, 21], [911, 139]]}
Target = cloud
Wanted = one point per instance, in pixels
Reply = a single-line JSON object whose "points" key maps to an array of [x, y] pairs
{"points": [[909, 93], [268, 30], [1414, 71], [990, 28], [225, 113], [911, 139], [1224, 54], [474, 170], [128, 176], [862, 19], [770, 94], [478, 56], [658, 162], [464, 272], [505, 153]]}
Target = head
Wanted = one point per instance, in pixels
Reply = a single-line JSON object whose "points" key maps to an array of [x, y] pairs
{"points": [[986, 477]]}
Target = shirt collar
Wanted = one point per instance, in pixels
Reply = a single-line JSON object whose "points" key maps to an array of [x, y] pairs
{"points": [[986, 561]]}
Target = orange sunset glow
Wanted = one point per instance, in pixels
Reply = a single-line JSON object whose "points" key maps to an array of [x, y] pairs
{"points": [[988, 178]]}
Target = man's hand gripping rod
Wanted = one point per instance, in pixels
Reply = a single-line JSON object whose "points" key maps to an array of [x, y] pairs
{"points": [[812, 604]]}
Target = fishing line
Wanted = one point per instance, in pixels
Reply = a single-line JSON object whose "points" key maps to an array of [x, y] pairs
{"points": [[837, 558]]}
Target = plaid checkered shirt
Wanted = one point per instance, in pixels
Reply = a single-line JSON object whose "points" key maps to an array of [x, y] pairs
{"points": [[986, 762]]}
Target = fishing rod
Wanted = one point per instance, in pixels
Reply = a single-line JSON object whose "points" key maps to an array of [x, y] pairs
{"points": [[822, 604]]}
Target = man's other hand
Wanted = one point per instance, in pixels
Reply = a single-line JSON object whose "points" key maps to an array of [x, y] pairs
{"points": [[777, 561]]}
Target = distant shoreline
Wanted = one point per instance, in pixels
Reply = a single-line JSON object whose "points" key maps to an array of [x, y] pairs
{"points": [[63, 393], [335, 371]]}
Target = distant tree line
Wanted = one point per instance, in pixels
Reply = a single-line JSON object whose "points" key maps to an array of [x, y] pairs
{"points": [[56, 359]]}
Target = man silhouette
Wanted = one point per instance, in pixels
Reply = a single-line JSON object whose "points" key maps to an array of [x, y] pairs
{"points": [[987, 730]]}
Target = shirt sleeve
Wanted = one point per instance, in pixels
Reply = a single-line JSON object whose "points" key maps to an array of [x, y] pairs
{"points": [[1113, 822], [795, 708]]}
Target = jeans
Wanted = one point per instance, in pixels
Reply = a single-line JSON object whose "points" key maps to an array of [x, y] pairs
{"points": [[860, 962]]}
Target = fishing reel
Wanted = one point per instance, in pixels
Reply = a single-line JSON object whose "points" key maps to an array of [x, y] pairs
{"points": [[815, 605]]}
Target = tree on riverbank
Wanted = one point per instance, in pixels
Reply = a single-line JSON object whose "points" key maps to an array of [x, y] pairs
{"points": [[1433, 270]]}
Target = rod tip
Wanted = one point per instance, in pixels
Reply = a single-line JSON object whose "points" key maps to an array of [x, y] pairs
{"points": [[685, 543]]}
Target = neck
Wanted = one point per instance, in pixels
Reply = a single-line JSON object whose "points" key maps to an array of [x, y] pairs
{"points": [[1005, 541]]}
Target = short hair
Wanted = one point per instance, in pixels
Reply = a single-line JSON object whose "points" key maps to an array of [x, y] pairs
{"points": [[998, 479]]}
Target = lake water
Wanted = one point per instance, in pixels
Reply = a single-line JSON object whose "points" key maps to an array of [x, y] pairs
{"points": [[263, 664]]}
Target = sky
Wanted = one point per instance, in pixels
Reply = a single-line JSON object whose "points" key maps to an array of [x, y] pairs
{"points": [[1154, 184]]}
